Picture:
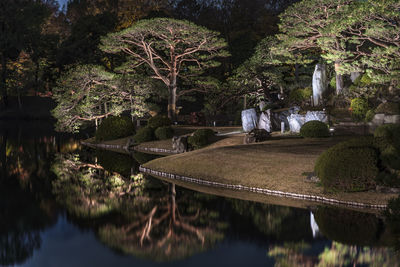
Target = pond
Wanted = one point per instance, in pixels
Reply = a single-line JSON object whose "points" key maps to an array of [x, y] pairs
{"points": [[66, 205]]}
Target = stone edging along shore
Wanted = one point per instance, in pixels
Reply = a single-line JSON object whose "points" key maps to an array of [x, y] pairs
{"points": [[124, 147], [260, 190]]}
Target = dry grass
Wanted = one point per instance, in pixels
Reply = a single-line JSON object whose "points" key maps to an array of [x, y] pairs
{"points": [[274, 164]]}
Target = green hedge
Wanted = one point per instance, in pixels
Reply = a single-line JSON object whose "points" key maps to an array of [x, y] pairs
{"points": [[201, 138], [387, 140], [159, 121], [360, 164], [314, 129], [165, 132], [349, 166], [115, 127], [144, 134]]}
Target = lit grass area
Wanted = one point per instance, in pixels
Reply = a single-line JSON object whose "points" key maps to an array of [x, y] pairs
{"points": [[277, 164]]}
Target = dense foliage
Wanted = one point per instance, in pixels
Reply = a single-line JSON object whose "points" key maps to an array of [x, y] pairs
{"points": [[201, 138], [115, 127], [165, 132], [348, 166], [314, 129], [88, 93], [359, 108], [144, 134], [159, 121], [170, 49]]}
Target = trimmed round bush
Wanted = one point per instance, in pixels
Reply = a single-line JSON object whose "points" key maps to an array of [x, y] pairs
{"points": [[163, 133], [144, 134], [159, 121], [359, 108], [388, 108], [349, 166], [313, 129], [115, 127], [200, 138]]}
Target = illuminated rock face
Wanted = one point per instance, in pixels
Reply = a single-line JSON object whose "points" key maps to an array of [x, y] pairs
{"points": [[249, 119], [297, 120], [319, 84], [265, 121]]}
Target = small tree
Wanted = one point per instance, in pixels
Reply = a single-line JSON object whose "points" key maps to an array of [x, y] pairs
{"points": [[89, 93], [171, 49]]}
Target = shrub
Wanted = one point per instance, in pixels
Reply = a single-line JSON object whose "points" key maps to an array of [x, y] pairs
{"points": [[387, 135], [299, 96], [387, 140], [114, 128], [165, 132], [359, 108], [144, 134], [348, 166], [200, 138], [389, 108], [314, 129], [159, 121], [369, 116]]}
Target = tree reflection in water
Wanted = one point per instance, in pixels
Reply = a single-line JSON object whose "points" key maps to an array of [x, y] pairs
{"points": [[87, 189], [26, 206], [358, 239], [165, 227], [149, 219]]}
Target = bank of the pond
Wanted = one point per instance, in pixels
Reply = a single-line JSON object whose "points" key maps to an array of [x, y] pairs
{"points": [[276, 167]]}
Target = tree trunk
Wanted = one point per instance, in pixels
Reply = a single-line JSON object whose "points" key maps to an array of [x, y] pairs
{"points": [[172, 102], [339, 78], [3, 84]]}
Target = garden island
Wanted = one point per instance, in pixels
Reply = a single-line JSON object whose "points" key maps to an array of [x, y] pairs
{"points": [[178, 131]]}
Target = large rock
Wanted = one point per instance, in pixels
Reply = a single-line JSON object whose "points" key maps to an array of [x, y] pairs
{"points": [[265, 121], [392, 119], [319, 83], [281, 116], [295, 122], [354, 76], [316, 116], [180, 144], [249, 119]]}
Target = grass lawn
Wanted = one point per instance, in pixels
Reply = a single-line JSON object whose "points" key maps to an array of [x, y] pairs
{"points": [[278, 164]]}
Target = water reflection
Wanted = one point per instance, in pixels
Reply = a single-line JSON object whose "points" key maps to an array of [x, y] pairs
{"points": [[164, 227], [46, 178]]}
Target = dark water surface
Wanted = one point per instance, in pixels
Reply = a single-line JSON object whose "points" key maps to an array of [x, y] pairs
{"points": [[66, 205]]}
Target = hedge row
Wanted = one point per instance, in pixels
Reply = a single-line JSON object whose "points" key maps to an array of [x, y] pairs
{"points": [[360, 164]]}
